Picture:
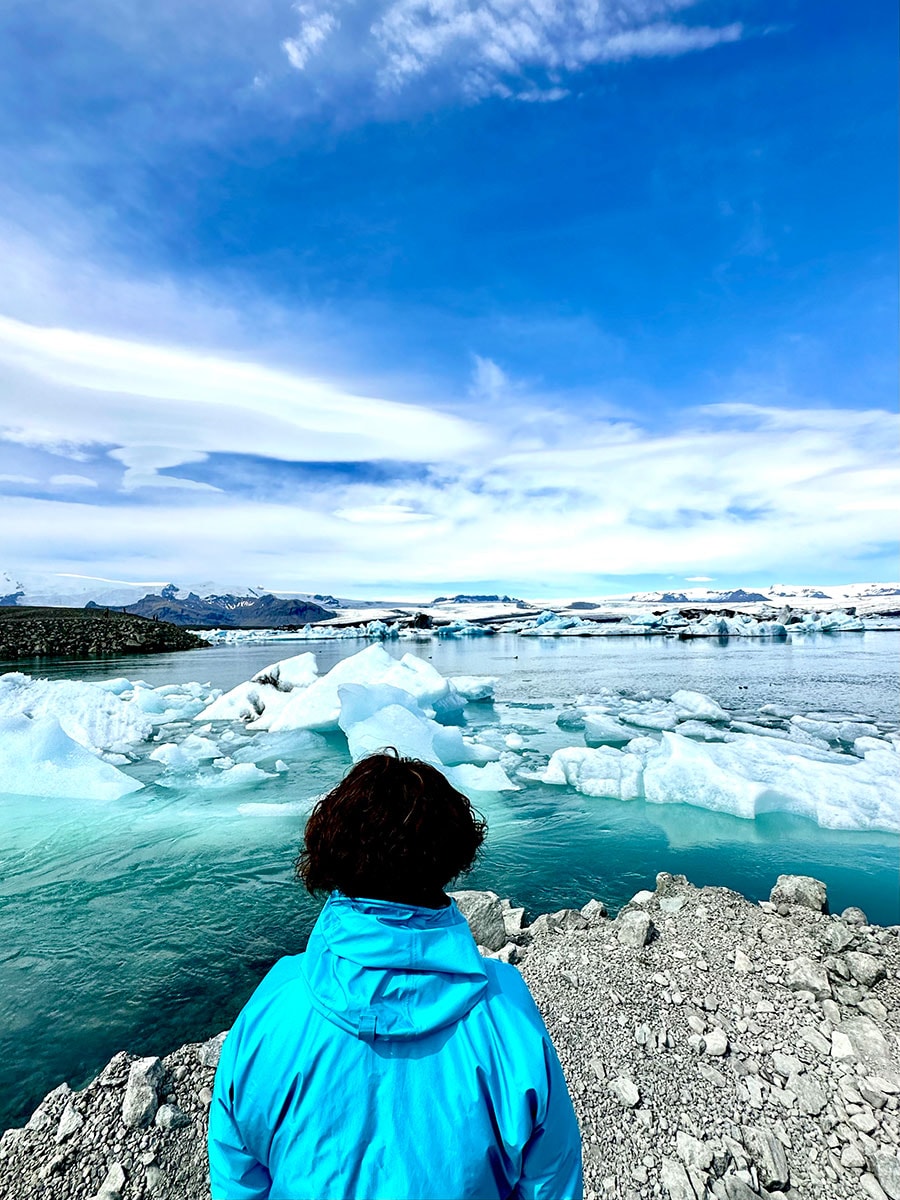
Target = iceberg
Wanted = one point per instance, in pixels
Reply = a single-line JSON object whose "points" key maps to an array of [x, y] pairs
{"points": [[185, 755], [260, 700], [38, 758], [318, 707], [699, 707], [474, 688], [601, 729], [94, 717], [607, 772], [743, 777]]}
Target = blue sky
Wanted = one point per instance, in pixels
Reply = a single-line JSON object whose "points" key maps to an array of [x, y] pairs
{"points": [[398, 297]]}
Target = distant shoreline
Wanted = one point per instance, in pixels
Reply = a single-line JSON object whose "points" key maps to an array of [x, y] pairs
{"points": [[27, 633]]}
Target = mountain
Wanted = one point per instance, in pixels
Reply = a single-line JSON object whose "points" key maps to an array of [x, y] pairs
{"points": [[225, 612]]}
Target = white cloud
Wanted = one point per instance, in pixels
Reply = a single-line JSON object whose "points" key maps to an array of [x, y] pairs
{"points": [[699, 579], [70, 481], [797, 491], [143, 464], [27, 480], [517, 49], [314, 31], [68, 389]]}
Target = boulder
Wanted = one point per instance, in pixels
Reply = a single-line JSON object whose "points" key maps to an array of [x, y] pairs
{"points": [[801, 890], [635, 929], [804, 974], [141, 1098], [484, 914]]}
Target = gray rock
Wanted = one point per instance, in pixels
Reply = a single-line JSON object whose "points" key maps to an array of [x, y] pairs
{"points": [[854, 916], [634, 929], [869, 1186], [736, 1189], [208, 1053], [768, 1154], [512, 922], [170, 1116], [805, 974], [112, 1185], [692, 1151], [625, 1091], [485, 917], [594, 911], [715, 1042], [867, 1040], [69, 1123], [887, 1172], [676, 1181], [802, 890], [865, 968], [810, 1097], [141, 1098], [837, 936]]}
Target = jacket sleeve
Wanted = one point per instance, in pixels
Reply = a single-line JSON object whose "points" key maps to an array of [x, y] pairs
{"points": [[234, 1171], [551, 1164]]}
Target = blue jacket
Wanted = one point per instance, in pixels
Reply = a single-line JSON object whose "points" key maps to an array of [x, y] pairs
{"points": [[391, 1062]]}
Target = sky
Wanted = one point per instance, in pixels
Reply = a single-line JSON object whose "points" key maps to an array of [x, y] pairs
{"points": [[387, 298]]}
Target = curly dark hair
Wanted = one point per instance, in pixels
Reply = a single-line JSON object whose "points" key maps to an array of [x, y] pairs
{"points": [[393, 829]]}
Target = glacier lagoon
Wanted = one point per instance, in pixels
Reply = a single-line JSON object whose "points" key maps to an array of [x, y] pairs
{"points": [[145, 921]]}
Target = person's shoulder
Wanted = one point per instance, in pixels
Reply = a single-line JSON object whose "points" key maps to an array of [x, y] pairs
{"points": [[507, 989], [286, 974]]}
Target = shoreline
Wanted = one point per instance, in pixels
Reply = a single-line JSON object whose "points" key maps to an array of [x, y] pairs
{"points": [[713, 1047]]}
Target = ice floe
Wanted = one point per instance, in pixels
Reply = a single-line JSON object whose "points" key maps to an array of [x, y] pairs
{"points": [[38, 758], [97, 719], [743, 776]]}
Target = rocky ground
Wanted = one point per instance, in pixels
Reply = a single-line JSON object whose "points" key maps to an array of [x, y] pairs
{"points": [[713, 1048], [77, 632]]}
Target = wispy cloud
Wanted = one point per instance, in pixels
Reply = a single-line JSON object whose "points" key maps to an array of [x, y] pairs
{"points": [[517, 49]]}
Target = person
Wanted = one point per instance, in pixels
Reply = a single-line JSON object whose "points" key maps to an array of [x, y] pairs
{"points": [[390, 1061]]}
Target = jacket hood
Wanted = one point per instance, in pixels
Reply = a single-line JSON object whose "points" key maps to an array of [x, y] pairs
{"points": [[394, 971]]}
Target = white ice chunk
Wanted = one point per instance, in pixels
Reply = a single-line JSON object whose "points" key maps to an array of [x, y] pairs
{"points": [[600, 729], [703, 731], [752, 774], [92, 716], [699, 707], [514, 741], [297, 672], [185, 755], [490, 778], [172, 701], [474, 688], [604, 771], [38, 758], [664, 717], [256, 704], [318, 706], [240, 775]]}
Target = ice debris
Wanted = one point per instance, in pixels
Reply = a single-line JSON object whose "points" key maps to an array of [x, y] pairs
{"points": [[38, 758]]}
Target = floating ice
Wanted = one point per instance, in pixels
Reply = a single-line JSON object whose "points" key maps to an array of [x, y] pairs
{"points": [[187, 754], [699, 707], [474, 688], [743, 777], [461, 629], [551, 624], [318, 706], [239, 775], [601, 729], [602, 772], [91, 715], [260, 700], [171, 701], [38, 758]]}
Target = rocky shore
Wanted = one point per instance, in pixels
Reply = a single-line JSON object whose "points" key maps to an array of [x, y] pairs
{"points": [[79, 632], [713, 1048]]}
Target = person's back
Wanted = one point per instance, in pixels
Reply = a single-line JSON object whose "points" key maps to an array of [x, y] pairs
{"points": [[391, 1061]]}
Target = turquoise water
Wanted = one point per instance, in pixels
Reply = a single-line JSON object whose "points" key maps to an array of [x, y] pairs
{"points": [[146, 922]]}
